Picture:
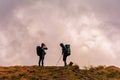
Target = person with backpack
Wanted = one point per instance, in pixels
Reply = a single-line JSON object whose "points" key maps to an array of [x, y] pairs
{"points": [[41, 53], [65, 52]]}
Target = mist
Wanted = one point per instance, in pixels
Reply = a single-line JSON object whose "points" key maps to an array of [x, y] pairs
{"points": [[90, 27]]}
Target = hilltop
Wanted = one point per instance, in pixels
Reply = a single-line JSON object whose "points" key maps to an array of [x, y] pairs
{"points": [[59, 73]]}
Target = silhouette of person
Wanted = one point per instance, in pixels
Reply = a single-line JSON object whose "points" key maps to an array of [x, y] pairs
{"points": [[64, 53], [41, 53]]}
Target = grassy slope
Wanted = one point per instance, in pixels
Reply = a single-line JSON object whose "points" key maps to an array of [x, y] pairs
{"points": [[59, 73]]}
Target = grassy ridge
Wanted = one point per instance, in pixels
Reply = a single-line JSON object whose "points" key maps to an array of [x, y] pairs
{"points": [[59, 73]]}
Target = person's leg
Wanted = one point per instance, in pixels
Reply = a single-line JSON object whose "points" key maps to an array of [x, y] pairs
{"points": [[64, 59], [43, 60], [40, 59], [65, 63]]}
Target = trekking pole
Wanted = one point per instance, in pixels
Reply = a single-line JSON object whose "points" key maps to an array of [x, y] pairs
{"points": [[58, 60]]}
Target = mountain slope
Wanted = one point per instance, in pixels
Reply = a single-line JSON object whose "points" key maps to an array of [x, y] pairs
{"points": [[59, 73]]}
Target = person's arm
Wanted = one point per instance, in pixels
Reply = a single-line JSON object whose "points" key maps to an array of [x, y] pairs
{"points": [[62, 53], [46, 48]]}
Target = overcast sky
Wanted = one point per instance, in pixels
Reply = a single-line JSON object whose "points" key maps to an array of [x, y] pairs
{"points": [[91, 27]]}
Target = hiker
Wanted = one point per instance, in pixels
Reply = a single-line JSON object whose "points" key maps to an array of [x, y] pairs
{"points": [[41, 53], [65, 52]]}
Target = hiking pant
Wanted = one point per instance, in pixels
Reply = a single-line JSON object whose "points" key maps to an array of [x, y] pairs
{"points": [[41, 60], [64, 59]]}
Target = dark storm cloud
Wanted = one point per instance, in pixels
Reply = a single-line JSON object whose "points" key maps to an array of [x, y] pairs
{"points": [[24, 24]]}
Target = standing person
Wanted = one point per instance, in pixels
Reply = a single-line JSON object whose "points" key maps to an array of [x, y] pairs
{"points": [[41, 53], [64, 53]]}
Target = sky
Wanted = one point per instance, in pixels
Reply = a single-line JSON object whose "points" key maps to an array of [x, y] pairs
{"points": [[91, 27]]}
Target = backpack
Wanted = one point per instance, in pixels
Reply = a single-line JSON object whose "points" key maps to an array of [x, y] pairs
{"points": [[39, 51], [68, 51]]}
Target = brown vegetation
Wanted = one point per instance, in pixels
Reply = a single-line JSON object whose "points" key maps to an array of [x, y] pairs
{"points": [[59, 73]]}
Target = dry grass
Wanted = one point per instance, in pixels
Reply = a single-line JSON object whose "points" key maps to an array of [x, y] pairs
{"points": [[59, 73]]}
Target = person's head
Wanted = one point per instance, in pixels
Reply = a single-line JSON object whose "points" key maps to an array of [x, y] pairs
{"points": [[42, 45], [61, 44]]}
